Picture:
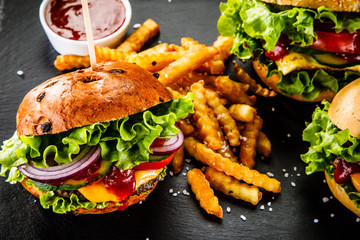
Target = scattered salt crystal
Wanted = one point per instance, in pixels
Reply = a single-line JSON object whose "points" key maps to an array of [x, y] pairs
{"points": [[185, 192], [147, 239], [286, 175], [331, 197], [228, 209], [171, 190], [293, 184], [262, 207], [270, 209], [324, 181], [169, 1], [175, 194], [20, 72], [171, 173], [137, 25], [325, 199], [269, 204], [140, 202], [270, 174], [288, 135], [298, 174], [243, 217], [187, 160], [273, 109], [184, 173], [357, 220], [316, 220], [284, 170], [332, 215], [187, 168]]}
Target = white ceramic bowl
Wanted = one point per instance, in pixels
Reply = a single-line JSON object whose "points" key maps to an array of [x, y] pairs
{"points": [[67, 46]]}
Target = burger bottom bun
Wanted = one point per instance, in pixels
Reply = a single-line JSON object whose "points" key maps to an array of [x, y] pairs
{"points": [[271, 82], [341, 195], [111, 207]]}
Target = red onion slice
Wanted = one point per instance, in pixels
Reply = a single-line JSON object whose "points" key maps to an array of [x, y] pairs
{"points": [[62, 172], [170, 145]]}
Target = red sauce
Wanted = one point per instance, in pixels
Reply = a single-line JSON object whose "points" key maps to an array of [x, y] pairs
{"points": [[65, 18], [120, 182], [343, 170]]}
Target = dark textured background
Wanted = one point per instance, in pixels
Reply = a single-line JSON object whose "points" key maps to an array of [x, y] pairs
{"points": [[25, 47]]}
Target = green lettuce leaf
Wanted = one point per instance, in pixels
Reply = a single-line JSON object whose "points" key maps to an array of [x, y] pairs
{"points": [[255, 25], [308, 84], [125, 141]]}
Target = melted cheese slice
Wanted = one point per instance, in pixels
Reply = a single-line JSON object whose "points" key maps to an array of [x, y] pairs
{"points": [[97, 192], [297, 61]]}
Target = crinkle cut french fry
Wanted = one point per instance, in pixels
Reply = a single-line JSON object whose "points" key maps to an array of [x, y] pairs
{"points": [[140, 36], [154, 62], [231, 186], [223, 115], [103, 54], [249, 138], [242, 112], [250, 176], [68, 62], [189, 145], [208, 129], [162, 47], [256, 88], [186, 128], [263, 145], [235, 92], [177, 163], [203, 192], [186, 64]]}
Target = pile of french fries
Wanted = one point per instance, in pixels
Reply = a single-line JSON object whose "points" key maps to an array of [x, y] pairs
{"points": [[224, 133]]}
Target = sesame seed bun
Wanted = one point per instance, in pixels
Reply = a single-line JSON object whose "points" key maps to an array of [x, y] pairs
{"points": [[338, 5]]}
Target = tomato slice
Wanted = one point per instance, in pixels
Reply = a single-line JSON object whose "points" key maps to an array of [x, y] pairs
{"points": [[343, 42], [155, 165]]}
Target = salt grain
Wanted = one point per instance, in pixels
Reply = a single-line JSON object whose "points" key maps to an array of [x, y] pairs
{"points": [[273, 109], [286, 175], [171, 190], [270, 209], [243, 217], [325, 199], [175, 194], [187, 160], [184, 173], [316, 220], [269, 204], [270, 174], [20, 72], [288, 135], [136, 25], [228, 209], [293, 184], [332, 215], [186, 193], [171, 173], [357, 220], [262, 207]]}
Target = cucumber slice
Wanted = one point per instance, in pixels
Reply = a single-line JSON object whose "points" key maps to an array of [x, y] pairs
{"points": [[331, 60], [156, 158]]}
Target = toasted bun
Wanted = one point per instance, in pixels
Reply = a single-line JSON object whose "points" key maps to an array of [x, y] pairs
{"points": [[344, 110], [85, 97], [111, 207], [341, 195], [261, 71], [338, 5]]}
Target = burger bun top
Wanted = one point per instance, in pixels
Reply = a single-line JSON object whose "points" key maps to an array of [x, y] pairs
{"points": [[344, 110], [115, 90]]}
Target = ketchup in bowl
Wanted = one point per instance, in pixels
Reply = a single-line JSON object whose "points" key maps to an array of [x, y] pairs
{"points": [[65, 18]]}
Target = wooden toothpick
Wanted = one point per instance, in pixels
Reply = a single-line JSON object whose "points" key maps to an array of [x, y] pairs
{"points": [[89, 35]]}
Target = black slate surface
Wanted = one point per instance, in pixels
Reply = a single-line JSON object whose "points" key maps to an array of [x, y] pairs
{"points": [[299, 212]]}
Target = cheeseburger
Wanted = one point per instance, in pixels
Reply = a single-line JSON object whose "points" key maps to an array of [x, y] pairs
{"points": [[334, 137], [306, 50], [94, 141]]}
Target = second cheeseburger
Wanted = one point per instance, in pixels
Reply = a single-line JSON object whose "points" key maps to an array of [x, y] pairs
{"points": [[306, 50], [94, 141], [334, 137]]}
